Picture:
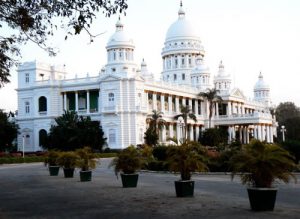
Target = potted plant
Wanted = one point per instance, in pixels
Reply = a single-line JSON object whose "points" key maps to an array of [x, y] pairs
{"points": [[67, 160], [259, 164], [128, 161], [86, 162], [51, 162], [185, 159]]}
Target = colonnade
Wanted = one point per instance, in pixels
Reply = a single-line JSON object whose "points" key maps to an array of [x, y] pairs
{"points": [[87, 109], [262, 132]]}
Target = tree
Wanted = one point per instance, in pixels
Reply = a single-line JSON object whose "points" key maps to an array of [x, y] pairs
{"points": [[212, 97], [8, 131], [214, 137], [34, 21], [185, 113], [156, 122], [73, 132], [288, 114], [151, 137]]}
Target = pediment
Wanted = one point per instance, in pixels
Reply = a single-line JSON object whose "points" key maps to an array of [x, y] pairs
{"points": [[110, 78], [237, 93]]}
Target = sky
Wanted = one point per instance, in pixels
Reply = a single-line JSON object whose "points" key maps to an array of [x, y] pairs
{"points": [[248, 36]]}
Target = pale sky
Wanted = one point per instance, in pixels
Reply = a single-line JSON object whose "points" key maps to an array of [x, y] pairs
{"points": [[248, 35]]}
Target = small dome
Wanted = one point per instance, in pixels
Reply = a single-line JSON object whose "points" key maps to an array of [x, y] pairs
{"points": [[261, 84], [120, 37], [200, 67]]}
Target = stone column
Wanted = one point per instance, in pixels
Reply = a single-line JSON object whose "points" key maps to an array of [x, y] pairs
{"points": [[233, 133], [241, 133], [178, 130], [99, 102], [259, 132], [87, 101], [191, 132], [196, 107], [263, 133], [197, 133], [177, 108], [171, 130], [271, 134], [65, 101], [191, 104], [268, 133], [162, 102], [76, 101], [154, 101], [163, 134], [147, 101], [183, 101], [247, 135], [229, 134], [217, 109], [170, 103], [229, 109]]}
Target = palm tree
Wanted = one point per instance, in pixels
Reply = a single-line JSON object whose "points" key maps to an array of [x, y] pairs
{"points": [[156, 121], [211, 95], [186, 113]]}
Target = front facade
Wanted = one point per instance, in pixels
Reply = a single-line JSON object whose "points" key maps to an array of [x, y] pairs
{"points": [[123, 95]]}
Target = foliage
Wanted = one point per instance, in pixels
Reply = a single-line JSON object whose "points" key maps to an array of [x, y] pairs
{"points": [[51, 158], [186, 113], [128, 161], [105, 155], [10, 160], [151, 137], [35, 21], [8, 131], [260, 164], [73, 132], [221, 163], [214, 137], [186, 158], [293, 147], [160, 152], [86, 159], [211, 95], [288, 114], [67, 159]]}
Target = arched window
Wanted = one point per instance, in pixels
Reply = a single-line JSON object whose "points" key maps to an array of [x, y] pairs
{"points": [[27, 107], [42, 137], [42, 104]]}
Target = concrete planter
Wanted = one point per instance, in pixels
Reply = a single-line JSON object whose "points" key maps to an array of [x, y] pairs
{"points": [[184, 188], [53, 170], [85, 176], [262, 199], [129, 180], [69, 172]]}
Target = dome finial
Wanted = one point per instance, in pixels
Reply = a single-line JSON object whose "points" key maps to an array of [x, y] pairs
{"points": [[181, 12], [119, 25], [260, 75]]}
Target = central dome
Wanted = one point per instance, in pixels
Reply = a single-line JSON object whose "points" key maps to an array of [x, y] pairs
{"points": [[181, 28]]}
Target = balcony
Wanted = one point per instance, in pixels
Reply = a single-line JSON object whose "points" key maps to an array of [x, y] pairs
{"points": [[252, 118]]}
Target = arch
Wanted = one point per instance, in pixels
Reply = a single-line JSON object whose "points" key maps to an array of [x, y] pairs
{"points": [[42, 137], [42, 104]]}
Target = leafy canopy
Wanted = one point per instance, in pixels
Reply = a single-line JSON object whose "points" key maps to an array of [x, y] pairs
{"points": [[26, 20], [260, 164], [8, 131]]}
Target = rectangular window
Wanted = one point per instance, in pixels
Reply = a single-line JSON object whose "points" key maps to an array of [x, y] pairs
{"points": [[27, 78], [112, 136], [27, 107], [175, 77], [183, 77]]}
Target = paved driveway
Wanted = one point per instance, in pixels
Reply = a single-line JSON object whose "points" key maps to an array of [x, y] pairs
{"points": [[27, 191]]}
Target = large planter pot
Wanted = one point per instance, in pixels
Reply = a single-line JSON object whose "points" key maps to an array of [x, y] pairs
{"points": [[85, 176], [53, 170], [129, 180], [69, 172], [262, 199], [184, 188]]}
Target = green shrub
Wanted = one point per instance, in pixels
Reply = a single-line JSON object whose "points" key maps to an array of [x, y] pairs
{"points": [[11, 160], [160, 152], [157, 166]]}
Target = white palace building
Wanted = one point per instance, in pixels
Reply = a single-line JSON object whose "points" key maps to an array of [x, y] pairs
{"points": [[124, 94]]}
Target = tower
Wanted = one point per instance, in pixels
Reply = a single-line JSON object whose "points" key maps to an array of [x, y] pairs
{"points": [[222, 80], [120, 53], [200, 75], [181, 48], [262, 91]]}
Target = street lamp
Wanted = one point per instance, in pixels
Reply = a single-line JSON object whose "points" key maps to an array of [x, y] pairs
{"points": [[23, 145], [181, 126], [283, 130]]}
